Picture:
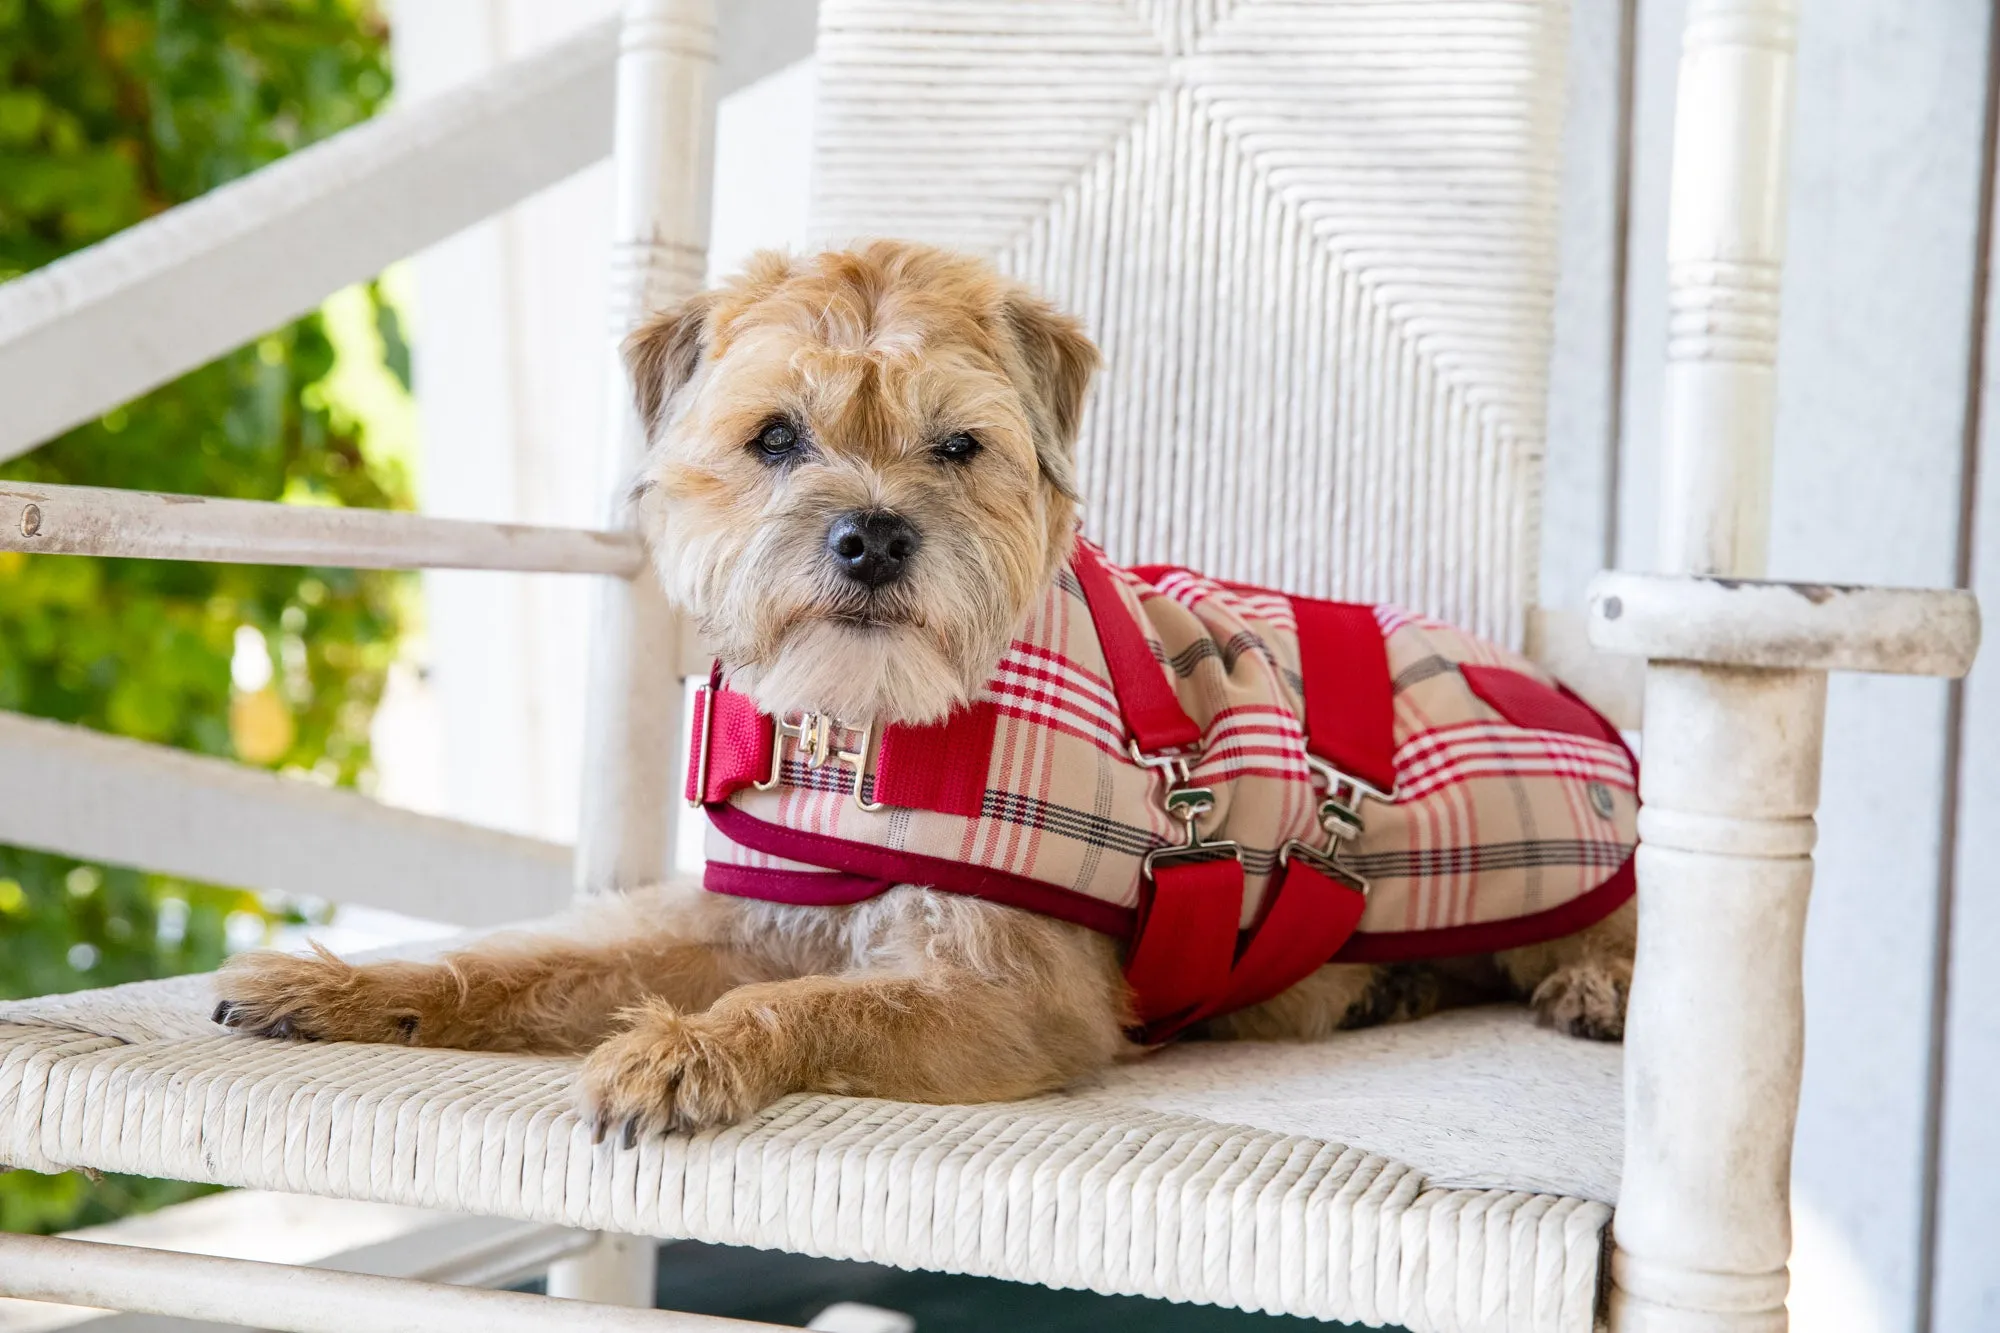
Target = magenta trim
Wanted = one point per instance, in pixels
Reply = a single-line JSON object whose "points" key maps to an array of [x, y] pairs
{"points": [[1404, 946], [801, 888], [867, 871], [886, 866]]}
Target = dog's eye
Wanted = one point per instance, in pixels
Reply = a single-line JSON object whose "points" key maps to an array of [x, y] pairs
{"points": [[778, 439], [957, 448]]}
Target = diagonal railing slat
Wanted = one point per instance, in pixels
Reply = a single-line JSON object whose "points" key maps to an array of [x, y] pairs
{"points": [[105, 324], [76, 792], [99, 327]]}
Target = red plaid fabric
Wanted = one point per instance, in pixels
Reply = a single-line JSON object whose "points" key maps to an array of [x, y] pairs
{"points": [[1513, 818]]}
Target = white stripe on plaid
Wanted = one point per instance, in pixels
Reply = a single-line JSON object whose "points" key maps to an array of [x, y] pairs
{"points": [[1452, 754]]}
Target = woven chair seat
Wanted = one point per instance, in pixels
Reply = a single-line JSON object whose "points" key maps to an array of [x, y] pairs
{"points": [[1451, 1174]]}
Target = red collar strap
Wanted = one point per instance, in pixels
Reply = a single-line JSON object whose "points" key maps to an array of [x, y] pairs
{"points": [[941, 767], [1186, 960]]}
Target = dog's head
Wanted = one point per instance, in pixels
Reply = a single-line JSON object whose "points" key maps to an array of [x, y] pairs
{"points": [[861, 473]]}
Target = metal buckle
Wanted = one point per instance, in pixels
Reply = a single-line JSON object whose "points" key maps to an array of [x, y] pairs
{"points": [[1188, 804], [818, 736], [1339, 818], [700, 797]]}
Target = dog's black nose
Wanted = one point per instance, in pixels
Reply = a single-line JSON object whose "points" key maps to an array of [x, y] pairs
{"points": [[872, 546]]}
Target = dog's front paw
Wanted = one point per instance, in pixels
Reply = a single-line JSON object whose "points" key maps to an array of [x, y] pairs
{"points": [[670, 1071], [1586, 998], [315, 998]]}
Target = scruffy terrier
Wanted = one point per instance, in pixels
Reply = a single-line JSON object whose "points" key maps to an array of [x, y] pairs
{"points": [[892, 380]]}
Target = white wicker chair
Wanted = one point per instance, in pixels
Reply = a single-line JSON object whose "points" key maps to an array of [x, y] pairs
{"points": [[1317, 242]]}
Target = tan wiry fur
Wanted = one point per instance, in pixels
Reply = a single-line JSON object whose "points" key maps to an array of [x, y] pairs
{"points": [[696, 1009]]}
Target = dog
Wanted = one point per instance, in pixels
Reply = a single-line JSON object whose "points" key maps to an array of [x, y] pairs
{"points": [[893, 380]]}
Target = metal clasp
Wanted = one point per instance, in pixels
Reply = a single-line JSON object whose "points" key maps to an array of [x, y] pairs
{"points": [[700, 797], [1187, 803], [819, 737], [1339, 819]]}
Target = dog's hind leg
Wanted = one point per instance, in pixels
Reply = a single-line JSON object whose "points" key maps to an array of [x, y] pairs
{"points": [[1580, 982], [555, 994]]}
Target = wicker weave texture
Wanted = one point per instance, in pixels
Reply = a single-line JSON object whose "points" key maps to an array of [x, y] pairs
{"points": [[1315, 238], [1069, 1192]]}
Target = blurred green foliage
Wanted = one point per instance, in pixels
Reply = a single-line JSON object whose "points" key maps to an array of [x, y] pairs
{"points": [[112, 111]]}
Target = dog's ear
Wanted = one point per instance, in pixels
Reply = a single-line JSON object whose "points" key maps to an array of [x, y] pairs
{"points": [[1056, 360], [661, 356]]}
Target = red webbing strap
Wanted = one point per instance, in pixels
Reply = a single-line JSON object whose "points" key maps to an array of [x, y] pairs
{"points": [[738, 743], [1146, 698], [1310, 917], [1350, 700], [940, 767], [1350, 723], [1184, 942]]}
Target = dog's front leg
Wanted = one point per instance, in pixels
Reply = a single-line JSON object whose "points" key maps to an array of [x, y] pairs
{"points": [[933, 1037], [555, 994]]}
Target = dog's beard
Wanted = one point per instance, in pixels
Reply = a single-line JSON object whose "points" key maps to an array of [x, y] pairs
{"points": [[821, 644], [797, 635], [860, 672]]}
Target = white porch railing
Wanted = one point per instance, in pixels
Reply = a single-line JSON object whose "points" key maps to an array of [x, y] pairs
{"points": [[76, 792]]}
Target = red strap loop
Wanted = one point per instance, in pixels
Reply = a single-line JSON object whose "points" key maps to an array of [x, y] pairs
{"points": [[940, 767], [1146, 698], [1310, 916], [1350, 699], [1185, 940], [731, 744]]}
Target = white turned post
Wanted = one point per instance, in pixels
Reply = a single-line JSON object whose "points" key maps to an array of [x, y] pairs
{"points": [[1715, 1029], [1725, 245], [663, 147]]}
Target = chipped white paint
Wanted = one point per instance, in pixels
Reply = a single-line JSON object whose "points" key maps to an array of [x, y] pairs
{"points": [[1714, 1033], [1817, 626], [1714, 1030], [90, 520]]}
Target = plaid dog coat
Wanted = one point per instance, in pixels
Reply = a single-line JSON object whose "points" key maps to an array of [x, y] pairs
{"points": [[1240, 784]]}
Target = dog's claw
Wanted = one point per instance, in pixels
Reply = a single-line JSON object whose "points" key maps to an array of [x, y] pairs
{"points": [[284, 1028], [408, 1024], [224, 1015], [597, 1128], [631, 1135]]}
